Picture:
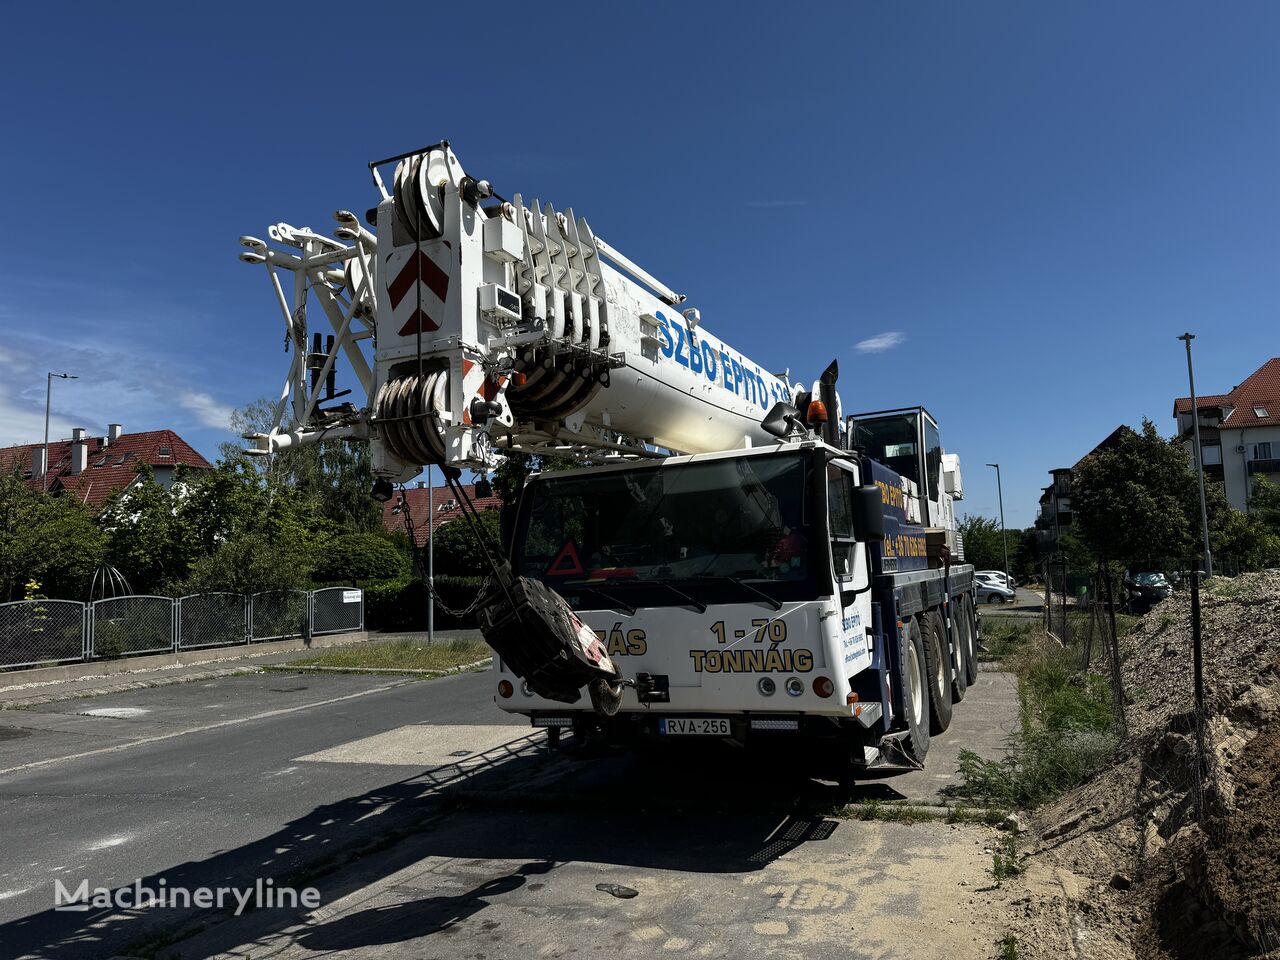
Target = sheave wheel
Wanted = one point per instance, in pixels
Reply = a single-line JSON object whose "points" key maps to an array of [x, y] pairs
{"points": [[915, 695], [938, 671]]}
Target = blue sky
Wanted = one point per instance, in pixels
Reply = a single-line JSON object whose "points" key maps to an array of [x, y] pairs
{"points": [[1014, 207]]}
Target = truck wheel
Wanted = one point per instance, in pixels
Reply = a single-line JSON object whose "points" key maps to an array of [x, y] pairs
{"points": [[915, 692], [959, 676], [938, 670], [968, 620]]}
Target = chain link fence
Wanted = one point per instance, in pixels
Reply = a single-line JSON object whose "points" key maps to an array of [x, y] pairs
{"points": [[279, 614], [128, 626], [37, 633], [337, 610], [212, 620]]}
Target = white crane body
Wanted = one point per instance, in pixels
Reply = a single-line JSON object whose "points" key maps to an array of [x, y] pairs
{"points": [[726, 571]]}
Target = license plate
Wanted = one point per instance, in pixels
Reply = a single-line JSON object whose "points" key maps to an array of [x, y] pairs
{"points": [[701, 727]]}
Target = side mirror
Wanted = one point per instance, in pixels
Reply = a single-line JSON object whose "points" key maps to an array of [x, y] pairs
{"points": [[868, 513], [781, 419]]}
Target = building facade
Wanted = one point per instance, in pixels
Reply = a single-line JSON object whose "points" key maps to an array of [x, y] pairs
{"points": [[1054, 519], [1239, 432]]}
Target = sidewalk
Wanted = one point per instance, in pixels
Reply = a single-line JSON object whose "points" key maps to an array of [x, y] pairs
{"points": [[27, 688]]}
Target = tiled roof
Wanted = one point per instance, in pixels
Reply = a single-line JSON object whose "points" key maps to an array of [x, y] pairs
{"points": [[111, 467], [1261, 390], [446, 509]]}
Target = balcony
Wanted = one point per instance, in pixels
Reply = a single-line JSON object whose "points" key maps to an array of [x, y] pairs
{"points": [[1263, 466]]}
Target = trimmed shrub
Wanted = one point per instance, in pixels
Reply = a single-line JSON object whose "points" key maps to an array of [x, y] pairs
{"points": [[354, 557]]}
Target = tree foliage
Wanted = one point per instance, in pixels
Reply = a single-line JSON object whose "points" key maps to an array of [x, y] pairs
{"points": [[1138, 504], [458, 552], [353, 557], [51, 541], [509, 477]]}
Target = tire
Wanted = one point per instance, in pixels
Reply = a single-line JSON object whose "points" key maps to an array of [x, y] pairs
{"points": [[969, 621], [994, 598], [915, 698], [938, 671], [959, 673]]}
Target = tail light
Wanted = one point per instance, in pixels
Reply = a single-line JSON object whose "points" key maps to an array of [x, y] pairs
{"points": [[505, 689], [823, 686]]}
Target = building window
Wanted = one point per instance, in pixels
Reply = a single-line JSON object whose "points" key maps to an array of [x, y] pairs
{"points": [[1260, 412], [1211, 455], [1262, 451], [165, 451]]}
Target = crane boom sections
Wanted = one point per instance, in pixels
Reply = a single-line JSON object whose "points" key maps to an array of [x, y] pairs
{"points": [[493, 325]]}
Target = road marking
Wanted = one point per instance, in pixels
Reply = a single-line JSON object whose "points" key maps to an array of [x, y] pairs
{"points": [[142, 741]]}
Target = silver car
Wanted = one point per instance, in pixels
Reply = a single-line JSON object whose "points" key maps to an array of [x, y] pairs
{"points": [[988, 591]]}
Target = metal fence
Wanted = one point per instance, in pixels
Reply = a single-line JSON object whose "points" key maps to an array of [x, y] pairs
{"points": [[36, 633], [337, 610]]}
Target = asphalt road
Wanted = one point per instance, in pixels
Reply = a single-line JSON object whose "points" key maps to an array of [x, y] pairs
{"points": [[419, 810]]}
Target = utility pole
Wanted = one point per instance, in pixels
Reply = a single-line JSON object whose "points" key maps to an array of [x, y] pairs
{"points": [[1195, 426], [48, 399], [1003, 539]]}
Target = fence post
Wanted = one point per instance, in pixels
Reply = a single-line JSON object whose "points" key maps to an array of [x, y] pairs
{"points": [[247, 611], [175, 625]]}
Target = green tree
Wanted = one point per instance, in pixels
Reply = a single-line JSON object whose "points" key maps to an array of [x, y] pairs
{"points": [[1133, 502], [148, 541], [509, 477], [253, 562], [983, 546], [1264, 503], [350, 557], [458, 553], [50, 540]]}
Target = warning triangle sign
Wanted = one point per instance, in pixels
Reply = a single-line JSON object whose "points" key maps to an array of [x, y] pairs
{"points": [[566, 562]]}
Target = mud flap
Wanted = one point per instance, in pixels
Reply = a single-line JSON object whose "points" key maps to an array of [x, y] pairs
{"points": [[541, 640]]}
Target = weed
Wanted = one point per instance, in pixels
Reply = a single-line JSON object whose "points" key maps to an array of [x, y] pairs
{"points": [[889, 812], [1004, 862], [989, 816], [401, 655], [1008, 945], [1004, 636]]}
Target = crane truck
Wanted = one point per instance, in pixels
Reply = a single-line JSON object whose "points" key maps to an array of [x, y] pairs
{"points": [[736, 559]]}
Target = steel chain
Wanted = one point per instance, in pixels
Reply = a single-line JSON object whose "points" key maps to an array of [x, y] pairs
{"points": [[429, 581]]}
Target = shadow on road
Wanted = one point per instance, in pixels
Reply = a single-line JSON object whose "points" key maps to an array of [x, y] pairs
{"points": [[709, 810]]}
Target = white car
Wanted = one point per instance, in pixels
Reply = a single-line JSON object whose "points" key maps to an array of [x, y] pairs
{"points": [[988, 591], [997, 577]]}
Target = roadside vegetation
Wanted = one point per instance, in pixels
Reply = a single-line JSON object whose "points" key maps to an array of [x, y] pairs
{"points": [[400, 655]]}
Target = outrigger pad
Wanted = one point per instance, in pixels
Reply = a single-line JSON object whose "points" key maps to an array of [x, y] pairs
{"points": [[541, 639]]}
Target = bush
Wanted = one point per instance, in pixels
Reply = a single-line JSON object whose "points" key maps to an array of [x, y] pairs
{"points": [[402, 604], [252, 563], [354, 557]]}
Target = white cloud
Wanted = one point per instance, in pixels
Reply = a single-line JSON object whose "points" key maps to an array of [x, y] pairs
{"points": [[880, 342], [207, 410]]}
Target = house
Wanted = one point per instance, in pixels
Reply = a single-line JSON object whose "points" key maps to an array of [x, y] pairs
{"points": [[1054, 518], [1239, 432], [91, 469], [422, 505]]}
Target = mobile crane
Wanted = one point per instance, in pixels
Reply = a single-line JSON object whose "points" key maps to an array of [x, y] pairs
{"points": [[739, 560]]}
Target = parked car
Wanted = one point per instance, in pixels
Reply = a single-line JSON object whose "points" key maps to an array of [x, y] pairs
{"points": [[998, 577], [1142, 591], [989, 591]]}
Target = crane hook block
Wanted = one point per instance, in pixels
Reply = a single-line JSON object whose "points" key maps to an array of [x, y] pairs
{"points": [[541, 639]]}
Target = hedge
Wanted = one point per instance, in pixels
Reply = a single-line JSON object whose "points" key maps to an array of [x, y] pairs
{"points": [[402, 604]]}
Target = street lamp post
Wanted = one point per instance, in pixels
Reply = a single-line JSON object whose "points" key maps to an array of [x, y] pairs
{"points": [[1195, 426], [48, 399], [1004, 541], [431, 559]]}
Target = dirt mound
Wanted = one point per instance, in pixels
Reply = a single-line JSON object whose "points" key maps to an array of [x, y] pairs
{"points": [[1173, 853]]}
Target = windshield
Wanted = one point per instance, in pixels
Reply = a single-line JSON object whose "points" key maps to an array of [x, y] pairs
{"points": [[705, 528]]}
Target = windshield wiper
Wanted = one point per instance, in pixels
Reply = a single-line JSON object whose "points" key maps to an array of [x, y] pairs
{"points": [[696, 604], [776, 604], [620, 605]]}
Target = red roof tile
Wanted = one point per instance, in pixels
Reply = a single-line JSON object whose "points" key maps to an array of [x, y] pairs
{"points": [[111, 467], [1261, 390], [446, 509]]}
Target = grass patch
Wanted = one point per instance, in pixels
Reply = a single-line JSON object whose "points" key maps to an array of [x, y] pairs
{"points": [[888, 812], [1004, 636], [401, 655], [1007, 947], [1067, 732], [1005, 863]]}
